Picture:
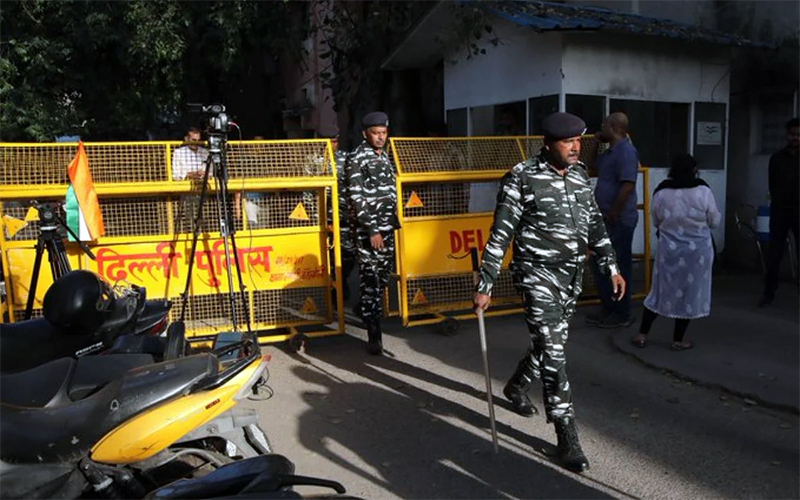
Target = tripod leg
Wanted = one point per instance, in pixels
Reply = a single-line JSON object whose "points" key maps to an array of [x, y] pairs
{"points": [[198, 220], [242, 290], [37, 265], [59, 263], [225, 232]]}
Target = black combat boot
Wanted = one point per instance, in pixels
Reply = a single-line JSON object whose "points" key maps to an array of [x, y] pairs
{"points": [[569, 449], [374, 345], [516, 391]]}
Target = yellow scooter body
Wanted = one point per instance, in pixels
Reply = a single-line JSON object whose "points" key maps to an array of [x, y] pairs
{"points": [[146, 434]]}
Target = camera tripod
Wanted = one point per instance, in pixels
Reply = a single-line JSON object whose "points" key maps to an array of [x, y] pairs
{"points": [[218, 161], [50, 240]]}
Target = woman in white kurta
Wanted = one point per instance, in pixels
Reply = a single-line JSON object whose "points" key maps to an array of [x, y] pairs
{"points": [[684, 213]]}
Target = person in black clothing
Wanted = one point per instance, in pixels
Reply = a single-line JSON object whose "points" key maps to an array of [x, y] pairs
{"points": [[784, 189]]}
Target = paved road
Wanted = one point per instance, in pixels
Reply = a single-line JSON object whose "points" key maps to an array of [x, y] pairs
{"points": [[415, 424]]}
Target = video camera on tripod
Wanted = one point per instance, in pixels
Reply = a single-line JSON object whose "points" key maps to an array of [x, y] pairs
{"points": [[218, 127], [50, 239], [218, 122]]}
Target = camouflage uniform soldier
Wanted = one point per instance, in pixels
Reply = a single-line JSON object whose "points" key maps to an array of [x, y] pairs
{"points": [[345, 240], [546, 205], [373, 193]]}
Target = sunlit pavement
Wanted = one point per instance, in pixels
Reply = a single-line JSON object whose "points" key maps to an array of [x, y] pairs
{"points": [[414, 423]]}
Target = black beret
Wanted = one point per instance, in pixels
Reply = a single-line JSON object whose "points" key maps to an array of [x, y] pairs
{"points": [[375, 119], [562, 126], [328, 131]]}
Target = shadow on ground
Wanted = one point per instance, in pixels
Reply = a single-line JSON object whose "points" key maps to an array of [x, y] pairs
{"points": [[413, 442]]}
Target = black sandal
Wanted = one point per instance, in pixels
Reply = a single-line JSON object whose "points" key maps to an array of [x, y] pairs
{"points": [[640, 343], [681, 346]]}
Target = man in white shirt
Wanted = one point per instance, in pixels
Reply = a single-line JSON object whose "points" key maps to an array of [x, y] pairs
{"points": [[189, 160]]}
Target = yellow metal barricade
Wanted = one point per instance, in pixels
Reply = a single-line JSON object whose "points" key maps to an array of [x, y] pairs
{"points": [[278, 189], [446, 191]]}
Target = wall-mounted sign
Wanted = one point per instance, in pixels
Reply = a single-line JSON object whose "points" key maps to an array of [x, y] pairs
{"points": [[709, 134]]}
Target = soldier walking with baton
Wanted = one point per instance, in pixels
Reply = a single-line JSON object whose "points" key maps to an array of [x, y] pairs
{"points": [[546, 205]]}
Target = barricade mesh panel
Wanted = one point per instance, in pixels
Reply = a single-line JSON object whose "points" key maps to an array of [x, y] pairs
{"points": [[282, 209], [286, 307], [185, 209], [136, 216], [115, 163], [263, 210], [209, 312], [19, 313], [445, 198], [453, 288], [457, 155], [279, 159], [290, 306], [148, 162]]}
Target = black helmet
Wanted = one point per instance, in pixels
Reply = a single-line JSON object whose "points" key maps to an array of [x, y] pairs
{"points": [[78, 302]]}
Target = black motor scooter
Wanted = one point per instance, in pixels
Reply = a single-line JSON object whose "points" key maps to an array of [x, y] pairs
{"points": [[83, 315]]}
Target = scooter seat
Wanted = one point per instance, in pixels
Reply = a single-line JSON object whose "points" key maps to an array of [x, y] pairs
{"points": [[63, 432], [33, 329], [65, 380], [93, 372], [40, 387], [28, 344]]}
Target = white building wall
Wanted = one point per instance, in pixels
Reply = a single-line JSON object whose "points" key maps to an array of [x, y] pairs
{"points": [[651, 70], [644, 68], [524, 65]]}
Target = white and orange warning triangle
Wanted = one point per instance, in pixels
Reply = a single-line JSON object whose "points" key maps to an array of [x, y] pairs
{"points": [[414, 201], [299, 212], [309, 306], [419, 298]]}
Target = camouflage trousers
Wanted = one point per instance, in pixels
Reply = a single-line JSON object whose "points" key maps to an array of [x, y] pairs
{"points": [[374, 270], [550, 296]]}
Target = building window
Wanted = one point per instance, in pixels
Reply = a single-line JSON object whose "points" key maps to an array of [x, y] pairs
{"points": [[457, 122], [482, 120], [592, 108], [538, 109], [659, 130], [498, 119], [509, 119]]}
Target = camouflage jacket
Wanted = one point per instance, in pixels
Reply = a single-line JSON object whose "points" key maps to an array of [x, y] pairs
{"points": [[372, 190], [553, 220]]}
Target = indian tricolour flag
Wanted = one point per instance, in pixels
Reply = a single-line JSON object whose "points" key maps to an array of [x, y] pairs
{"points": [[83, 209]]}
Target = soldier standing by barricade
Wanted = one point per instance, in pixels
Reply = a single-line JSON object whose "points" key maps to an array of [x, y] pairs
{"points": [[373, 193], [345, 240], [546, 205]]}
